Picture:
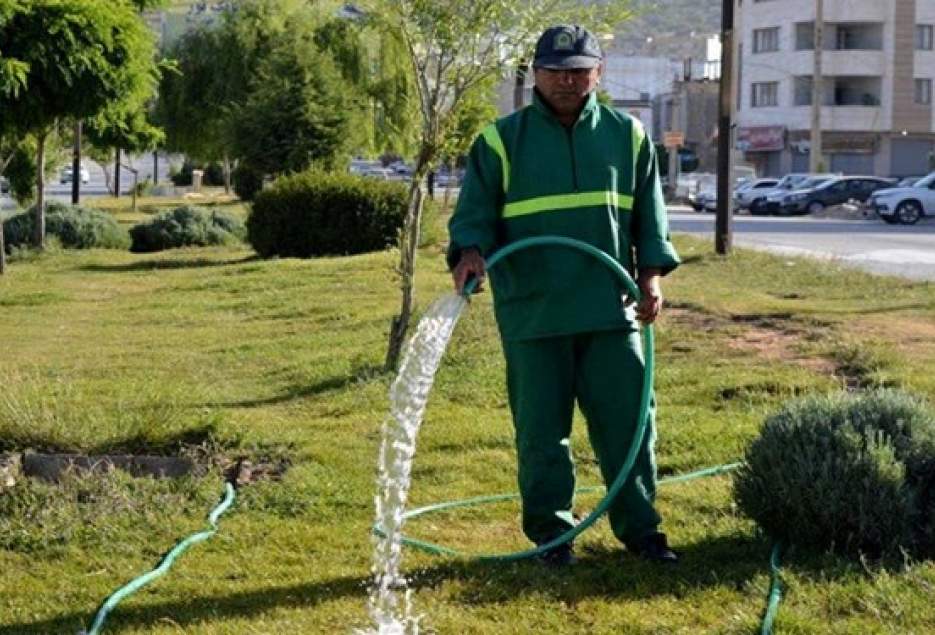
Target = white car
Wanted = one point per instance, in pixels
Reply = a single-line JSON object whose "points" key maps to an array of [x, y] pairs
{"points": [[746, 193], [906, 205], [65, 176]]}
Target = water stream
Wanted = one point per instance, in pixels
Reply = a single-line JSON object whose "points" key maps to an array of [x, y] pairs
{"points": [[390, 606]]}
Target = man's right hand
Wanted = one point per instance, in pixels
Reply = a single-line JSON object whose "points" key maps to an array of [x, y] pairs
{"points": [[470, 264]]}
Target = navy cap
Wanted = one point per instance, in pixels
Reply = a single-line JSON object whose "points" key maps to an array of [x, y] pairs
{"points": [[567, 46]]}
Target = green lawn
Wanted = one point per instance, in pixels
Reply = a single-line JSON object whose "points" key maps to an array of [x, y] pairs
{"points": [[219, 353]]}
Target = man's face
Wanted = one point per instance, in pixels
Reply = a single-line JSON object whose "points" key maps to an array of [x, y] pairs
{"points": [[567, 90]]}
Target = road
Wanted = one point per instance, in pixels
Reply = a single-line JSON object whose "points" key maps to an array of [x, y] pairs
{"points": [[871, 245], [96, 186]]}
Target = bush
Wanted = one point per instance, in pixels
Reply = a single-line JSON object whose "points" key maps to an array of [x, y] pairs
{"points": [[247, 181], [317, 214], [848, 473], [75, 227], [186, 226], [213, 174]]}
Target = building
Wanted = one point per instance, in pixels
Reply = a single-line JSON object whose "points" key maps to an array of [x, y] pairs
{"points": [[878, 67], [692, 109]]}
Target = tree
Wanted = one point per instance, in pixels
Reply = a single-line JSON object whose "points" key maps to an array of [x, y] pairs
{"points": [[453, 47], [102, 53], [275, 84]]}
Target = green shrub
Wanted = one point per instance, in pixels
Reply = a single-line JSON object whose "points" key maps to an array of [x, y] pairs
{"points": [[75, 227], [316, 214], [213, 174], [850, 473], [186, 226], [247, 181]]}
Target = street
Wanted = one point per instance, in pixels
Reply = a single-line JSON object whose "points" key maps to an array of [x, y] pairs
{"points": [[871, 245]]}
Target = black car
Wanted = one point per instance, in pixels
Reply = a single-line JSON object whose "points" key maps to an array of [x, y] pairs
{"points": [[832, 192]]}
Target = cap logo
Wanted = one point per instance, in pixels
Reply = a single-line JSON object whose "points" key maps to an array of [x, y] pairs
{"points": [[564, 41]]}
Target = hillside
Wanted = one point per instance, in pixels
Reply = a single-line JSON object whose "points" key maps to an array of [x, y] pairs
{"points": [[677, 27]]}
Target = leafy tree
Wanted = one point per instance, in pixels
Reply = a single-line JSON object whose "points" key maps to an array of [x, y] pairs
{"points": [[196, 92], [274, 85], [453, 47], [102, 53], [298, 112]]}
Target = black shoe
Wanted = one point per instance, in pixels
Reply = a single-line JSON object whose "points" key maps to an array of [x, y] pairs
{"points": [[559, 556], [655, 548]]}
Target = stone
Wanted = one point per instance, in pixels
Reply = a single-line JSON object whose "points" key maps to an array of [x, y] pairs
{"points": [[10, 470]]}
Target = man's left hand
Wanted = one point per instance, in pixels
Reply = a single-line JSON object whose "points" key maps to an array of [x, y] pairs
{"points": [[651, 303]]}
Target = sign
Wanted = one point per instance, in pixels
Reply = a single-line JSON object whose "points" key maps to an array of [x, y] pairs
{"points": [[761, 138], [673, 139]]}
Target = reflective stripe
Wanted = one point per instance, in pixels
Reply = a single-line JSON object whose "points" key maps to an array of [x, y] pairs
{"points": [[638, 134], [567, 201], [492, 137]]}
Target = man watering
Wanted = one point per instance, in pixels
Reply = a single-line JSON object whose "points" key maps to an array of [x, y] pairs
{"points": [[568, 166]]}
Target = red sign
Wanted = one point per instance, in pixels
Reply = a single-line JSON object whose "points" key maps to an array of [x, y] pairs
{"points": [[761, 138]]}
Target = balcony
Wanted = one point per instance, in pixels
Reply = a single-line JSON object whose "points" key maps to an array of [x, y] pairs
{"points": [[841, 36], [862, 91]]}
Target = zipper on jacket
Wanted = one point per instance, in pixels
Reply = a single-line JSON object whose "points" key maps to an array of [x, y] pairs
{"points": [[569, 132]]}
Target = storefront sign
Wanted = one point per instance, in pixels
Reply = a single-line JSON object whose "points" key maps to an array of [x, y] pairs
{"points": [[761, 138]]}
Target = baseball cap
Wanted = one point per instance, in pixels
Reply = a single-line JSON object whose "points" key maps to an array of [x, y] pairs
{"points": [[567, 46]]}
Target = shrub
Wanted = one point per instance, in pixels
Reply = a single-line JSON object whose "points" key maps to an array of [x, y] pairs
{"points": [[75, 227], [847, 473], [247, 181], [213, 174], [186, 226], [316, 213]]}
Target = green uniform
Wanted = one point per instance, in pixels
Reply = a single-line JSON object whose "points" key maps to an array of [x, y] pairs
{"points": [[566, 333]]}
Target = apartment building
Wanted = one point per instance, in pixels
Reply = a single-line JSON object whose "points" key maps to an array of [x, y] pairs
{"points": [[878, 70]]}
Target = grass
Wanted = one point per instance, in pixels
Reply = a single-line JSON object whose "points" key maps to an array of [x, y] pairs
{"points": [[107, 350]]}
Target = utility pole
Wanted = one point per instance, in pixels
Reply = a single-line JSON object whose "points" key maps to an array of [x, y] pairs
{"points": [[815, 162], [116, 172], [76, 166], [723, 227]]}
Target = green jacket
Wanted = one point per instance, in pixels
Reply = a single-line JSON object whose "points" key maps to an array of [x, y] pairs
{"points": [[598, 182]]}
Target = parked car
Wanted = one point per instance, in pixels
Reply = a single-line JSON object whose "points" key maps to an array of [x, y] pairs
{"points": [[832, 192], [66, 174], [906, 205], [750, 190], [769, 200], [908, 181]]}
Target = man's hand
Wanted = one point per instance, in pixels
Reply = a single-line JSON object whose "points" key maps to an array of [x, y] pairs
{"points": [[471, 264], [648, 309]]}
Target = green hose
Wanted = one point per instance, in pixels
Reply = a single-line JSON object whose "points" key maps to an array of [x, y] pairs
{"points": [[164, 565], [775, 592], [648, 346]]}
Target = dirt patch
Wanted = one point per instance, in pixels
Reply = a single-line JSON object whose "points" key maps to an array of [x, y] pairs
{"points": [[774, 336]]}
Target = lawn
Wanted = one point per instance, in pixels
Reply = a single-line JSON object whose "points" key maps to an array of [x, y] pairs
{"points": [[218, 354]]}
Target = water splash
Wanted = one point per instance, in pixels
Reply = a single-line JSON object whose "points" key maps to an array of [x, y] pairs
{"points": [[390, 606]]}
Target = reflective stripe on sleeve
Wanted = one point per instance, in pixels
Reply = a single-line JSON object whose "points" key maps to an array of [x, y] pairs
{"points": [[567, 201], [492, 137]]}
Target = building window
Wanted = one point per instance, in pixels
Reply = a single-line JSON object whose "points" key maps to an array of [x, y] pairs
{"points": [[802, 91], [766, 40], [805, 36], [924, 92], [765, 94], [924, 37]]}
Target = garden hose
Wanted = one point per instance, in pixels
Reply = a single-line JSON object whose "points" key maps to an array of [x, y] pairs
{"points": [[775, 593], [164, 565]]}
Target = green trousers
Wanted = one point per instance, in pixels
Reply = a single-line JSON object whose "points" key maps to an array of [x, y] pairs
{"points": [[603, 371]]}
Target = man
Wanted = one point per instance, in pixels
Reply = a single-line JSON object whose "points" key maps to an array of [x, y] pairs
{"points": [[568, 166]]}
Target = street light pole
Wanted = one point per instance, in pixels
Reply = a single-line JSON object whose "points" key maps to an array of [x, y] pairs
{"points": [[815, 159], [723, 228]]}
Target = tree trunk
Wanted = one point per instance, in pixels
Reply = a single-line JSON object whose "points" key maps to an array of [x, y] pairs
{"points": [[38, 235], [408, 249], [227, 174]]}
